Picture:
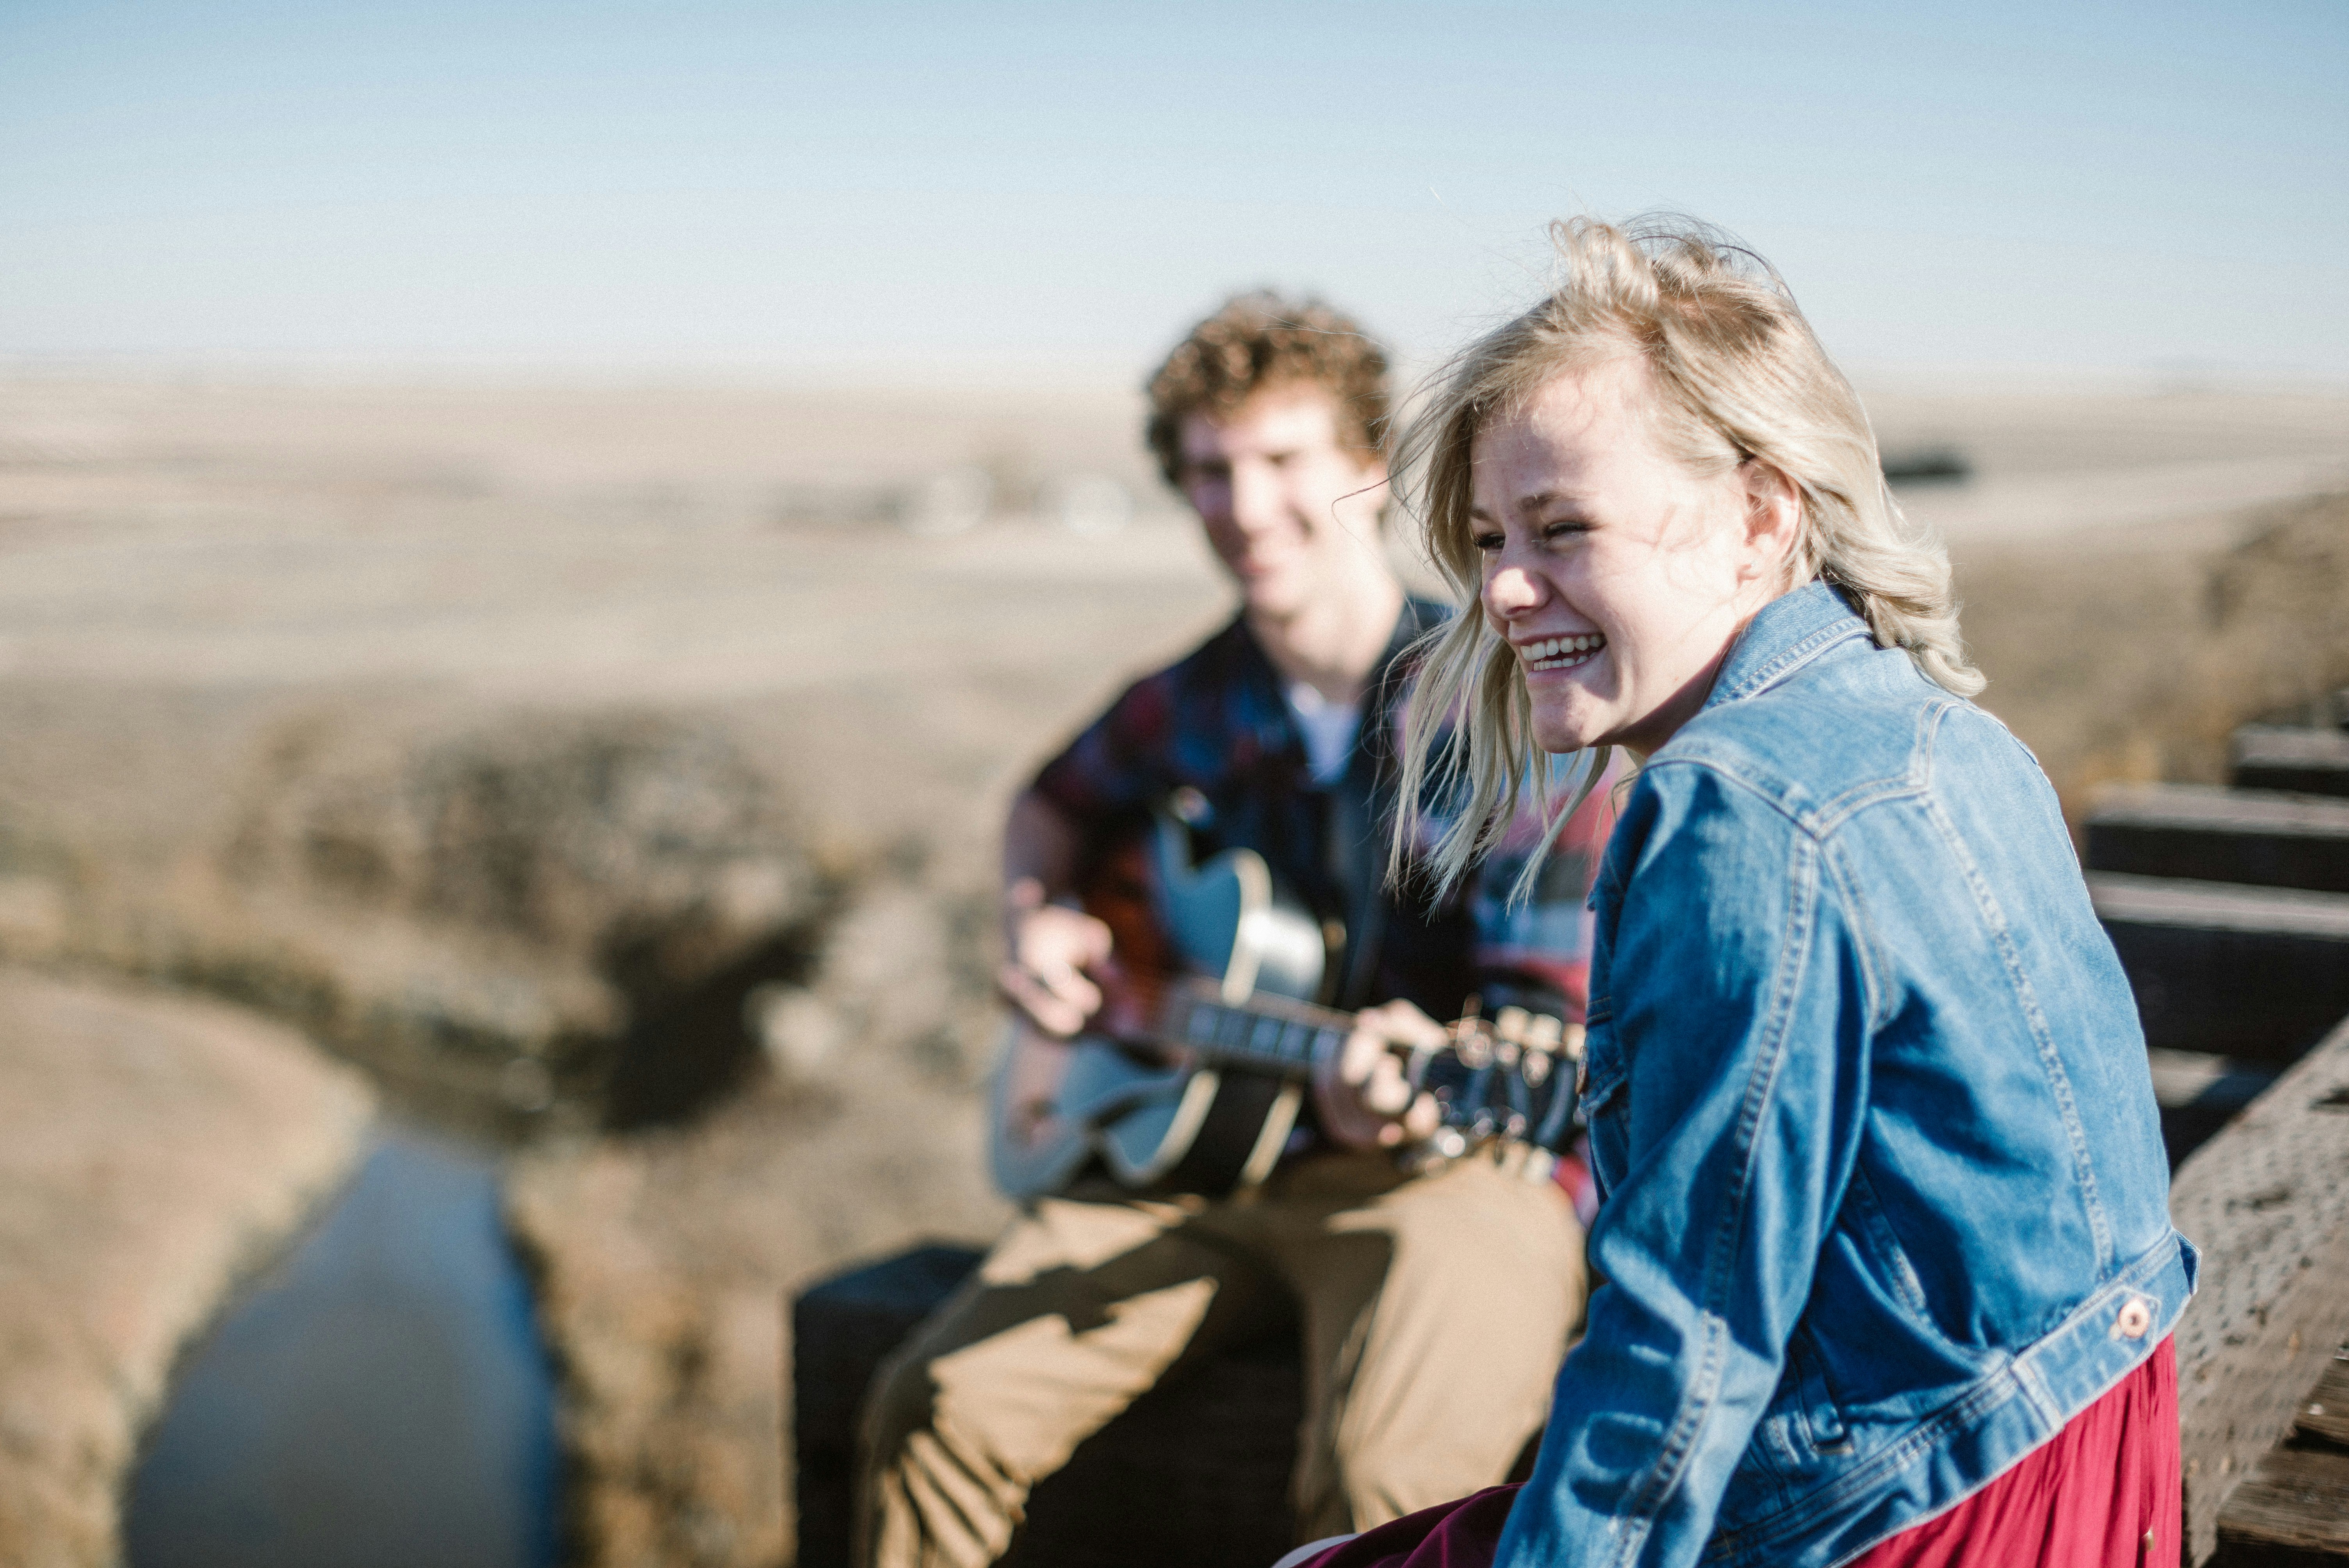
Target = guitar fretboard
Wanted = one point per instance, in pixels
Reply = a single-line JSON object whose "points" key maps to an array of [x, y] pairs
{"points": [[1270, 1034]]}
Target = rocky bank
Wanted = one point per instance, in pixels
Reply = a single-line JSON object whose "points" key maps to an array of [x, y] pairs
{"points": [[154, 1149]]}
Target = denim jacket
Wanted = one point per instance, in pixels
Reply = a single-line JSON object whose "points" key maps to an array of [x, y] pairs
{"points": [[1885, 1200]]}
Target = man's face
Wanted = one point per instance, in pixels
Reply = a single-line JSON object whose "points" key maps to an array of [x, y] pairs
{"points": [[1283, 502]]}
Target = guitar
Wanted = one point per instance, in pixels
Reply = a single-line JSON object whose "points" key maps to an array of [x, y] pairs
{"points": [[1218, 978]]}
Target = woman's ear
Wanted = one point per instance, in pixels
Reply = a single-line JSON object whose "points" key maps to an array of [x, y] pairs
{"points": [[1774, 520]]}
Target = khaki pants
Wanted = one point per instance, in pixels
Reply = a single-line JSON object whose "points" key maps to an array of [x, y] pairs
{"points": [[1435, 1310]]}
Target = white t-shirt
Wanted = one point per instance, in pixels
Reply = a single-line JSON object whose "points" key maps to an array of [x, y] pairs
{"points": [[1329, 728]]}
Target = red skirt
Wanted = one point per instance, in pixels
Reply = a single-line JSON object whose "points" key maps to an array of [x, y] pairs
{"points": [[2102, 1493]]}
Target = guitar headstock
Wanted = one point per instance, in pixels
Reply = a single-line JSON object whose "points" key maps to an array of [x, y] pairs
{"points": [[1506, 1080], [1503, 1081]]}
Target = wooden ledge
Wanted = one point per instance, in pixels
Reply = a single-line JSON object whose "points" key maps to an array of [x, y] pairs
{"points": [[2267, 1200]]}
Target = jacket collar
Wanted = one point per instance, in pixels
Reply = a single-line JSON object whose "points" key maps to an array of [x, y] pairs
{"points": [[1786, 633]]}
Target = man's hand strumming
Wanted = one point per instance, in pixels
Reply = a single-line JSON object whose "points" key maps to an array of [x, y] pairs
{"points": [[1047, 949]]}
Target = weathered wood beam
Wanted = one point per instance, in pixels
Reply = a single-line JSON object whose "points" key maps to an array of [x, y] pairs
{"points": [[2324, 1416], [2309, 761], [2253, 838], [2292, 1514], [2256, 973], [2267, 1200]]}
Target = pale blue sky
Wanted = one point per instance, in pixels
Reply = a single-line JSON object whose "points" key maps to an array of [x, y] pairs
{"points": [[880, 190]]}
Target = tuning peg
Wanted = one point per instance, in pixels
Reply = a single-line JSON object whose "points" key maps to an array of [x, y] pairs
{"points": [[1571, 1046], [1539, 1031]]}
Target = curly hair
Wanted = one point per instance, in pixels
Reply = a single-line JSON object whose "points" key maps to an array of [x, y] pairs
{"points": [[1261, 340], [1734, 374]]}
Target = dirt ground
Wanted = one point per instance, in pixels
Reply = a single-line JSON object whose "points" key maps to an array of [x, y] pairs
{"points": [[619, 766], [2118, 660]]}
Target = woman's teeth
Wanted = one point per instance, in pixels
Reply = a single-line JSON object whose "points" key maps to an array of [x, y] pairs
{"points": [[1562, 653]]}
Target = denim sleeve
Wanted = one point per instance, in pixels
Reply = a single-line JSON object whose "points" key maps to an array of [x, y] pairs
{"points": [[1724, 1051]]}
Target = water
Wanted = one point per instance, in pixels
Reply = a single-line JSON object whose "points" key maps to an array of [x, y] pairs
{"points": [[379, 1399]]}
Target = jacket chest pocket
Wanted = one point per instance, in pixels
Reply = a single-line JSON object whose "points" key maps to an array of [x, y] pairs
{"points": [[1606, 1098]]}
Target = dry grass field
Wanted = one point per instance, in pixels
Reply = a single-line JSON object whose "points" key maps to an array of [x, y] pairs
{"points": [[618, 767]]}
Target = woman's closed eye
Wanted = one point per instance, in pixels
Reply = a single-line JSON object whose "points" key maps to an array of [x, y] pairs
{"points": [[1492, 540]]}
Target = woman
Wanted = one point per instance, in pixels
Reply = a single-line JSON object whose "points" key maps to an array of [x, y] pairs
{"points": [[1891, 1273]]}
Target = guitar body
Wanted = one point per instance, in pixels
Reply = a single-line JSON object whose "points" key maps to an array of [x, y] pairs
{"points": [[1058, 1108]]}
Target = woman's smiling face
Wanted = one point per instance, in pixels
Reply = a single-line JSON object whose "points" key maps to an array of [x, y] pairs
{"points": [[1618, 576]]}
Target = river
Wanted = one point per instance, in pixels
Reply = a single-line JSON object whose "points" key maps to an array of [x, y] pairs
{"points": [[377, 1398]]}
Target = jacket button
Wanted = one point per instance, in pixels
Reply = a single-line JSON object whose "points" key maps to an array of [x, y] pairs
{"points": [[2135, 1318]]}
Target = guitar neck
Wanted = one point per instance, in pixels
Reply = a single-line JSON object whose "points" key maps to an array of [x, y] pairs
{"points": [[1263, 1034]]}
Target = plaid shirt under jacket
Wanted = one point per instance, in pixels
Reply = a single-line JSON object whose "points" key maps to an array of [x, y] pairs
{"points": [[1215, 722]]}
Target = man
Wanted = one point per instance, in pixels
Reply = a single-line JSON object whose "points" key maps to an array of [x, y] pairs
{"points": [[1435, 1306]]}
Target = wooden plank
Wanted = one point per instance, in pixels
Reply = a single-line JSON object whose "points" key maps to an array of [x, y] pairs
{"points": [[2292, 1514], [2267, 1200], [2311, 761], [2264, 913], [2253, 838], [2324, 1416], [2258, 973], [2199, 1093]]}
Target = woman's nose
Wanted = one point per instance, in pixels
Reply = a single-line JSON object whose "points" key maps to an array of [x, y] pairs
{"points": [[1512, 591]]}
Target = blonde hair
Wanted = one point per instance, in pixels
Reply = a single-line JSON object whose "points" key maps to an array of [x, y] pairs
{"points": [[1734, 374]]}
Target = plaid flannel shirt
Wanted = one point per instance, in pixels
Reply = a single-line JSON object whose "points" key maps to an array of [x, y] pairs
{"points": [[1215, 722]]}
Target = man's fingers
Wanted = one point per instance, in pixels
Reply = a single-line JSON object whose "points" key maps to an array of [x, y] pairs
{"points": [[1059, 1009], [1365, 1049], [1072, 989], [1055, 938], [1049, 949], [1415, 1125], [1388, 1093], [1403, 1023], [1364, 1090], [1376, 1032], [1420, 1122]]}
